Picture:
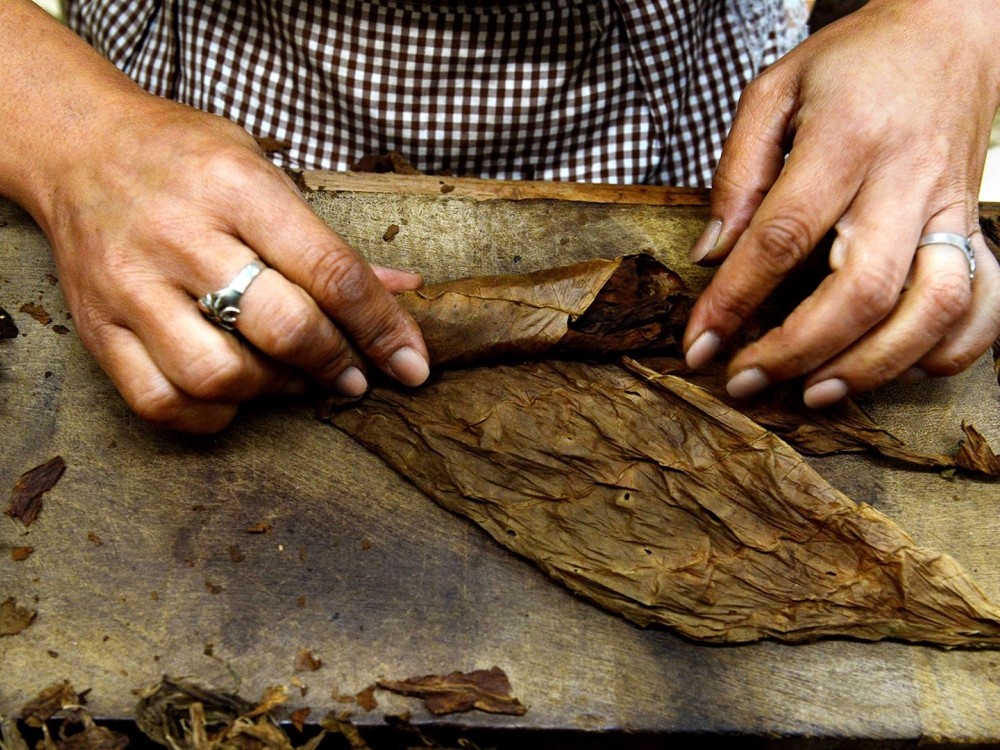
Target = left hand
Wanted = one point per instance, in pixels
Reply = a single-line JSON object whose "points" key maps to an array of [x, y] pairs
{"points": [[885, 119]]}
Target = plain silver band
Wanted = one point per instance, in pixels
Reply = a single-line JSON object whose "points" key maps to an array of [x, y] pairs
{"points": [[955, 240], [222, 307]]}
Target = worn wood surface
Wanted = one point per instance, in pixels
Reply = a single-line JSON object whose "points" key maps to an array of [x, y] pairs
{"points": [[375, 579]]}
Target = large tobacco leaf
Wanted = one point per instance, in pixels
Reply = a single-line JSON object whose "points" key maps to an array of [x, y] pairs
{"points": [[645, 494]]}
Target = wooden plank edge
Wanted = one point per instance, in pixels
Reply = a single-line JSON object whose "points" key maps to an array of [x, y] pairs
{"points": [[484, 190]]}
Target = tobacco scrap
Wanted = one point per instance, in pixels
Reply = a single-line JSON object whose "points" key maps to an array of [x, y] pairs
{"points": [[306, 662], [485, 689], [272, 145], [382, 163], [262, 527], [390, 234], [60, 329], [26, 497], [20, 554], [663, 504], [49, 702], [366, 698], [61, 698], [8, 329], [37, 312], [235, 553], [164, 710], [298, 718], [14, 619]]}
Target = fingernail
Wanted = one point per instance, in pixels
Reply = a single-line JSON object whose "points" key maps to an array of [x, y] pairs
{"points": [[913, 375], [707, 242], [351, 382], [747, 383], [295, 387], [702, 350], [825, 393], [408, 367]]}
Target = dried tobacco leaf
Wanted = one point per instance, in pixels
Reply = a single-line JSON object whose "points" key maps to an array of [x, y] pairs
{"points": [[38, 312], [659, 502], [26, 497], [306, 662], [48, 703], [485, 689], [600, 307], [14, 619], [164, 710]]}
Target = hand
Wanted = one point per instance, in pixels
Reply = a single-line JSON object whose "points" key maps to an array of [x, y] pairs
{"points": [[171, 205], [885, 119]]}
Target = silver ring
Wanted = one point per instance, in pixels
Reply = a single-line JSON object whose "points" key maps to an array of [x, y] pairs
{"points": [[955, 240], [222, 307]]}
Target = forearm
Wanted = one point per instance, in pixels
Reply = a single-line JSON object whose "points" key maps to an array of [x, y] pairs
{"points": [[59, 97]]}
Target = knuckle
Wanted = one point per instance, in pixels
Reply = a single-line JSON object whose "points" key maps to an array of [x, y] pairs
{"points": [[157, 403], [875, 294], [949, 295], [342, 277], [786, 240], [211, 376]]}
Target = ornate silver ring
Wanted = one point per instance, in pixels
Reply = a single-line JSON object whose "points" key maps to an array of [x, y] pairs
{"points": [[223, 307], [955, 240]]}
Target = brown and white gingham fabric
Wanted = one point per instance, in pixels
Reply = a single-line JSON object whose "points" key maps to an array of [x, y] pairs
{"points": [[598, 91]]}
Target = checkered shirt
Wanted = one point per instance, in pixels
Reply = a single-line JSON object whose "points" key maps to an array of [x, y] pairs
{"points": [[594, 91]]}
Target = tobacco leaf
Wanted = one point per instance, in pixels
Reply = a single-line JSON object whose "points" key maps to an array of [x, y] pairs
{"points": [[841, 428], [631, 303], [14, 619], [599, 306], [38, 312], [485, 689], [49, 702], [26, 497], [164, 710], [659, 502]]}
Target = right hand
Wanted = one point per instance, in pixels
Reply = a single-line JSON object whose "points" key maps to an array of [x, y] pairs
{"points": [[169, 204]]}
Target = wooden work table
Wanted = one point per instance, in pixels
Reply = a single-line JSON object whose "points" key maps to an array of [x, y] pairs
{"points": [[135, 570]]}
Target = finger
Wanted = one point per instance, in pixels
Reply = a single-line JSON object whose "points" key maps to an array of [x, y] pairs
{"points": [[148, 392], [752, 159], [397, 280], [939, 295], [282, 321], [292, 239], [197, 357], [810, 195], [977, 331]]}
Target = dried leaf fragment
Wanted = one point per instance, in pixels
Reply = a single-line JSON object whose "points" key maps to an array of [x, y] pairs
{"points": [[48, 703], [366, 698], [26, 497], [20, 554], [14, 619], [390, 234], [298, 718], [261, 527], [485, 689], [37, 312], [306, 662]]}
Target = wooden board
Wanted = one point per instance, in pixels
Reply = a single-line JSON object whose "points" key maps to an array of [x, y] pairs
{"points": [[375, 579]]}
